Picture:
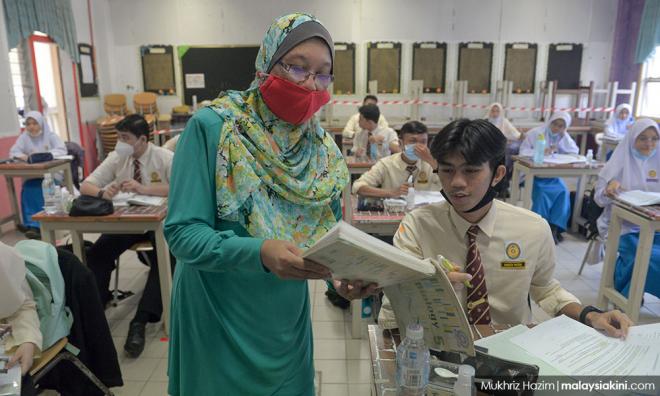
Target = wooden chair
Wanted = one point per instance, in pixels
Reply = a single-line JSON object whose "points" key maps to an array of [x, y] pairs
{"points": [[52, 356], [145, 103], [141, 248], [115, 104]]}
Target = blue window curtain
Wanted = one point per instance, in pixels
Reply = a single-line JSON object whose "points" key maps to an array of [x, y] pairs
{"points": [[53, 17], [649, 31]]}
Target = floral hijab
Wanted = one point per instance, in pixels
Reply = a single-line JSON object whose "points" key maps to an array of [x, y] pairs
{"points": [[283, 192]]}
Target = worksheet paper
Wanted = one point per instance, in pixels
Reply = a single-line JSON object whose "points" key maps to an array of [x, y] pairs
{"points": [[579, 350]]}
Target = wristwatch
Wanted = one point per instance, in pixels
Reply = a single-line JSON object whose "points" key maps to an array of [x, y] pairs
{"points": [[587, 310], [100, 193]]}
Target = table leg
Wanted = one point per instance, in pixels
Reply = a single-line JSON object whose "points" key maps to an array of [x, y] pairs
{"points": [[607, 277], [515, 185], [13, 200], [68, 179], [577, 205], [78, 246], [583, 142], [165, 274], [527, 192], [348, 204], [356, 318], [638, 281], [47, 234]]}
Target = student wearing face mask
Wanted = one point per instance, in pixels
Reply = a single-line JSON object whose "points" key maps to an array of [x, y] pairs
{"points": [[266, 181], [504, 251], [37, 138], [388, 178], [135, 166], [635, 165], [550, 196]]}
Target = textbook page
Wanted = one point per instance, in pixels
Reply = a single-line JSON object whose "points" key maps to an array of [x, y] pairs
{"points": [[579, 350], [354, 255], [433, 303], [640, 198], [560, 159]]}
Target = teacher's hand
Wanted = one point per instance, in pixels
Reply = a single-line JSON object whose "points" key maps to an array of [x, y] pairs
{"points": [[284, 259]]}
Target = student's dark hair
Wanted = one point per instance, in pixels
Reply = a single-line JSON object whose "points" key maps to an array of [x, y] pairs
{"points": [[370, 112], [372, 97], [478, 141], [135, 124], [414, 128]]}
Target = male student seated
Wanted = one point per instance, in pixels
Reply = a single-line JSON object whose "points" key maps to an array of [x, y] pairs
{"points": [[506, 252], [385, 140], [388, 178], [352, 126], [136, 166]]}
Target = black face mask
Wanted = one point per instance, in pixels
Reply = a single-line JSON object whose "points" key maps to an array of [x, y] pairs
{"points": [[488, 197]]}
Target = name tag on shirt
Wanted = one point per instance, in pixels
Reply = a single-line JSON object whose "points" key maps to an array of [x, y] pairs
{"points": [[513, 265], [652, 177]]}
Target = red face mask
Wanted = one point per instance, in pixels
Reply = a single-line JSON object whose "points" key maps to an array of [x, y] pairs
{"points": [[291, 102]]}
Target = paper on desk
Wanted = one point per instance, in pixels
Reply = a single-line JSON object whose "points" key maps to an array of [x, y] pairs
{"points": [[640, 198], [576, 349], [11, 380], [121, 199], [561, 159], [64, 157], [500, 345], [423, 197]]}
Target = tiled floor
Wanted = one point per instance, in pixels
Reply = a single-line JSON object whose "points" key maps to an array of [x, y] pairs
{"points": [[342, 361]]}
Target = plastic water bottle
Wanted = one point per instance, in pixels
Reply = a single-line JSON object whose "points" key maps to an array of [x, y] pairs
{"points": [[410, 197], [65, 200], [373, 152], [412, 363], [464, 385], [590, 157], [51, 200], [539, 149]]}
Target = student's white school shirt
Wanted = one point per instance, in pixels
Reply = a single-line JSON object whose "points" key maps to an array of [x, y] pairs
{"points": [[517, 253], [353, 125], [155, 166], [390, 173], [362, 138]]}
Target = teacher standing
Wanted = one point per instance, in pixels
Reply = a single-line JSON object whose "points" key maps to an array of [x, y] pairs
{"points": [[255, 180]]}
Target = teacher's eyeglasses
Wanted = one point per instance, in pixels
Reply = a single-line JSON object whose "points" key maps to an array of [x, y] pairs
{"points": [[300, 75]]}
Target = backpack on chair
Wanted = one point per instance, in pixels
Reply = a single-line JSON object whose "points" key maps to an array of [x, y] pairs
{"points": [[45, 279]]}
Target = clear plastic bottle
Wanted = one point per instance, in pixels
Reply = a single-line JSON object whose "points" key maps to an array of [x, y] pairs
{"points": [[539, 149], [590, 157], [373, 148], [412, 363], [51, 200], [464, 385]]}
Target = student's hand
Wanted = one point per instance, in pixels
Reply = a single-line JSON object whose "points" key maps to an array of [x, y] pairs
{"points": [[284, 259], [24, 355], [458, 278], [132, 186], [424, 154], [402, 190], [22, 157], [354, 290], [360, 152], [376, 139], [614, 323], [612, 188], [111, 191]]}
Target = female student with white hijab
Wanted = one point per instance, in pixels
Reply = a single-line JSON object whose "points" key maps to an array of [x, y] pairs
{"points": [[37, 138], [619, 122], [635, 165], [495, 117], [18, 309], [550, 195]]}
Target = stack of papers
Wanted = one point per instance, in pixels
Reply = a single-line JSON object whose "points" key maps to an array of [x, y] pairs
{"points": [[561, 159], [640, 198], [125, 199]]}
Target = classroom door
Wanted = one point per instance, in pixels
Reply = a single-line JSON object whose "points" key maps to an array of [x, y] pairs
{"points": [[48, 83]]}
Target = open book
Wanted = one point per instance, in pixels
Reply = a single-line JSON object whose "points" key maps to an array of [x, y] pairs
{"points": [[419, 290], [640, 198], [125, 199]]}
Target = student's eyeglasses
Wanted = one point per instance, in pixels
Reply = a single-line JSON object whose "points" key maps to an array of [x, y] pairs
{"points": [[646, 139], [300, 75]]}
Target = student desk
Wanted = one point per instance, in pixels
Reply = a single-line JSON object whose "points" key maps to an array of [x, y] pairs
{"points": [[583, 129], [159, 135], [607, 145], [383, 343], [526, 165], [125, 220], [648, 219], [354, 168], [23, 169]]}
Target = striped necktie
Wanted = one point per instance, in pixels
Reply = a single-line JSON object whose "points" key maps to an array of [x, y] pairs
{"points": [[477, 298], [137, 174]]}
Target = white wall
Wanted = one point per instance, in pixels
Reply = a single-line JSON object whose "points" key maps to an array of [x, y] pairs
{"points": [[8, 119], [230, 22]]}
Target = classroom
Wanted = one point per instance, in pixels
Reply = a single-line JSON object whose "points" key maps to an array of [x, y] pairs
{"points": [[329, 198]]}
